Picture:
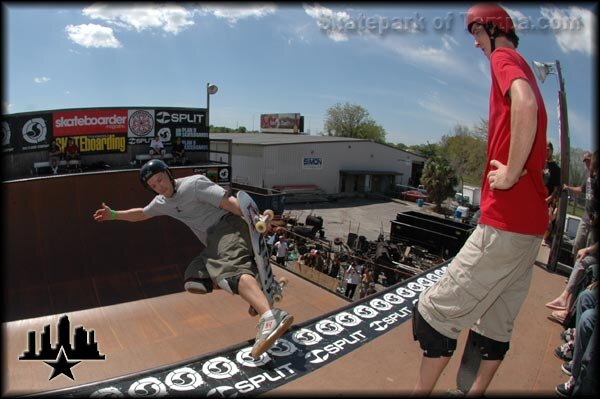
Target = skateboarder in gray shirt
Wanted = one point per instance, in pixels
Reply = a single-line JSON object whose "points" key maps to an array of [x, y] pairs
{"points": [[227, 262]]}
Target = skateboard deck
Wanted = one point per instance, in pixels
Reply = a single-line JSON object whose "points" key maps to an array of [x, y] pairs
{"points": [[469, 366], [257, 225]]}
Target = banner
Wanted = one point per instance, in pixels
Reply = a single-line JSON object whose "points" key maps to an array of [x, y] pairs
{"points": [[99, 130], [187, 124], [140, 126], [89, 121], [280, 123], [25, 133]]}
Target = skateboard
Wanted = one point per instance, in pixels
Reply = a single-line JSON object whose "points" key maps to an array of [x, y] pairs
{"points": [[469, 366], [258, 225], [561, 214]]}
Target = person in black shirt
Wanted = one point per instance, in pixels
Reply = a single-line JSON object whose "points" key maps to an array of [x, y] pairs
{"points": [[551, 174], [178, 152]]}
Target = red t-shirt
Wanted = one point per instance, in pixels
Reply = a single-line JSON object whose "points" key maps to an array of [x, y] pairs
{"points": [[522, 208]]}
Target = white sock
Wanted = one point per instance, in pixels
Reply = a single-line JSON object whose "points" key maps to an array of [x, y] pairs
{"points": [[268, 313]]}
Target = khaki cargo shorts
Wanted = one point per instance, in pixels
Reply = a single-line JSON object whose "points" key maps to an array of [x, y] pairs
{"points": [[228, 251], [484, 285]]}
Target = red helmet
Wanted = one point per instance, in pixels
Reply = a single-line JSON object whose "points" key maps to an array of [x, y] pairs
{"points": [[489, 13]]}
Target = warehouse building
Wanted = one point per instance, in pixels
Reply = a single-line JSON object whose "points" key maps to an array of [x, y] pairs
{"points": [[333, 165]]}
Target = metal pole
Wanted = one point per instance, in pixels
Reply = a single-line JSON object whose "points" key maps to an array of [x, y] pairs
{"points": [[564, 171], [207, 109]]}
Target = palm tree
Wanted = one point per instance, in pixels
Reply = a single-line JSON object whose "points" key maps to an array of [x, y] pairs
{"points": [[439, 179]]}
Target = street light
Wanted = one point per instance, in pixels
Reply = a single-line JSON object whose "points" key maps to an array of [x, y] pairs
{"points": [[210, 89], [543, 69]]}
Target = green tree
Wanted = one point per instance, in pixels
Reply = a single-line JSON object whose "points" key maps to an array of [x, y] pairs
{"points": [[466, 151], [426, 150], [351, 120], [439, 179]]}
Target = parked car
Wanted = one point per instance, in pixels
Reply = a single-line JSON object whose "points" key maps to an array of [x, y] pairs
{"points": [[414, 195]]}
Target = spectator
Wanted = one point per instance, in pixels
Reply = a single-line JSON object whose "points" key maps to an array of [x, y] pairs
{"points": [[366, 280], [551, 174], [71, 152], [563, 304], [54, 155], [580, 353], [371, 290], [178, 152], [552, 212], [352, 280], [281, 247], [157, 149], [335, 266], [585, 234]]}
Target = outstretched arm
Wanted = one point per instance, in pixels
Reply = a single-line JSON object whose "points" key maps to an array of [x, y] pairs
{"points": [[130, 215]]}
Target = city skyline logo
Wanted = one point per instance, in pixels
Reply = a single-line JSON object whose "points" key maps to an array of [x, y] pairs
{"points": [[63, 356]]}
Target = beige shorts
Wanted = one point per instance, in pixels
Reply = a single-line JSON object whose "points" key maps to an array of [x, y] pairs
{"points": [[484, 285]]}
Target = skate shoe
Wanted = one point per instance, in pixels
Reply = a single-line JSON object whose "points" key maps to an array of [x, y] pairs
{"points": [[269, 329]]}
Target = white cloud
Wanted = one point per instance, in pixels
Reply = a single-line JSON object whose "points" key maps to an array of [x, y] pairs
{"points": [[235, 13], [170, 18], [329, 21], [448, 41], [42, 79], [443, 110], [574, 28], [91, 35]]}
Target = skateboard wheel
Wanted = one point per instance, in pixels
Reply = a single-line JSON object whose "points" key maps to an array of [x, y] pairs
{"points": [[282, 281], [269, 214], [261, 227], [277, 297]]}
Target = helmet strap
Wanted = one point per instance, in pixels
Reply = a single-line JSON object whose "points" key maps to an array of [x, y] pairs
{"points": [[491, 30]]}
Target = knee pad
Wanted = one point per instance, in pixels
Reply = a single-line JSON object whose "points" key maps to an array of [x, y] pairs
{"points": [[230, 284], [490, 349], [431, 341], [195, 285]]}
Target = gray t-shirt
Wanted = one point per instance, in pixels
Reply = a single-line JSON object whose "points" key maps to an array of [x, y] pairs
{"points": [[195, 203]]}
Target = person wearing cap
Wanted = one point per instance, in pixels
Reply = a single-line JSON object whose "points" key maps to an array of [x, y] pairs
{"points": [[227, 261], [486, 283], [585, 232]]}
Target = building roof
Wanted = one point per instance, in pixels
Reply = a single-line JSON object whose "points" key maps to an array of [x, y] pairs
{"points": [[279, 138], [267, 139]]}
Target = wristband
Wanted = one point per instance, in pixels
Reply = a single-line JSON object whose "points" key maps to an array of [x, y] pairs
{"points": [[113, 215]]}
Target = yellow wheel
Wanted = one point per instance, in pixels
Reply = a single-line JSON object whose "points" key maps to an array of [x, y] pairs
{"points": [[261, 227], [277, 297], [282, 281], [269, 214]]}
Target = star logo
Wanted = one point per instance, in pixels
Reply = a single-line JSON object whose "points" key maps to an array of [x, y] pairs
{"points": [[62, 365]]}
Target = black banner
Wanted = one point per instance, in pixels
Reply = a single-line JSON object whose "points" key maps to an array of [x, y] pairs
{"points": [[188, 125], [24, 133], [304, 348]]}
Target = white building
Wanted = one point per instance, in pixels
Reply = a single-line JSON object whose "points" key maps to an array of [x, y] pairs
{"points": [[332, 164]]}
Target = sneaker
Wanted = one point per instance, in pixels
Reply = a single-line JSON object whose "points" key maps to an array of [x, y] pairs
{"points": [[566, 367], [565, 351], [565, 390], [269, 329], [568, 334]]}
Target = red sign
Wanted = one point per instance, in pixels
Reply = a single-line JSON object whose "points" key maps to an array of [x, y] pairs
{"points": [[82, 122]]}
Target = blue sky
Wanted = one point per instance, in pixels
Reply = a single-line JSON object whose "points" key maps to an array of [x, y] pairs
{"points": [[413, 67]]}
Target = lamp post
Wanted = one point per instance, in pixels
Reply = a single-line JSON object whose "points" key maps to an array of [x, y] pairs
{"points": [[542, 70], [210, 89]]}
